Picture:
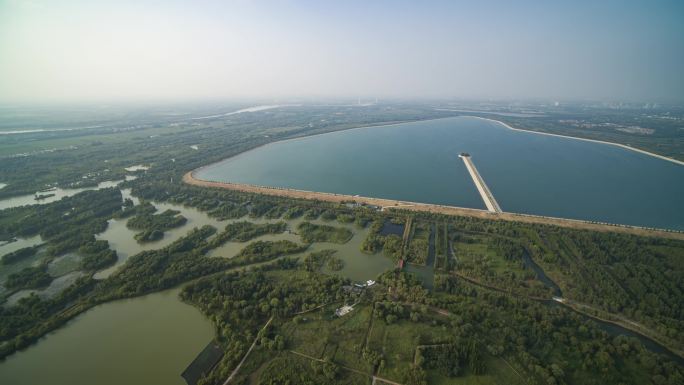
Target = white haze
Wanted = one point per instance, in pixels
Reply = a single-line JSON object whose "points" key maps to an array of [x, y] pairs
{"points": [[177, 50]]}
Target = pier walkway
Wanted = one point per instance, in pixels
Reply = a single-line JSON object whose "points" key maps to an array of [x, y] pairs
{"points": [[237, 369], [486, 194]]}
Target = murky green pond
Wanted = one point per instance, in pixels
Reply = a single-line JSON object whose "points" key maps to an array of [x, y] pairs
{"points": [[357, 266], [150, 339], [141, 341]]}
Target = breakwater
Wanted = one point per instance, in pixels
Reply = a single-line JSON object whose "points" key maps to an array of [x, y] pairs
{"points": [[482, 188]]}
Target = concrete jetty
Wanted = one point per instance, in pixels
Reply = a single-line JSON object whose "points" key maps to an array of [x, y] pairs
{"points": [[486, 194]]}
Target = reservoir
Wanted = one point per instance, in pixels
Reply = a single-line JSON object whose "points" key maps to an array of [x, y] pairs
{"points": [[526, 172], [139, 341]]}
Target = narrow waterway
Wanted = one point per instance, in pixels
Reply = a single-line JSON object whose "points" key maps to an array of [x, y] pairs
{"points": [[616, 330], [541, 275], [357, 265], [608, 327], [52, 195]]}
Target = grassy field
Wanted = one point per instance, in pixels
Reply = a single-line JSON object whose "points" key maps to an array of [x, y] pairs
{"points": [[261, 363], [399, 341], [499, 373], [322, 335], [474, 251], [496, 261], [339, 340], [29, 143]]}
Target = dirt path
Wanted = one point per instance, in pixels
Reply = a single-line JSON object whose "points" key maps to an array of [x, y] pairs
{"points": [[235, 371], [406, 237], [374, 377], [389, 204], [310, 310], [369, 330], [514, 370]]}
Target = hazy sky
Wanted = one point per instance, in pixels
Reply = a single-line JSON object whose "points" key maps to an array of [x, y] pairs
{"points": [[79, 50]]}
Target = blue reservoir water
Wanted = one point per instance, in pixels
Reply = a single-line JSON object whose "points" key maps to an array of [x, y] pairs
{"points": [[526, 172]]}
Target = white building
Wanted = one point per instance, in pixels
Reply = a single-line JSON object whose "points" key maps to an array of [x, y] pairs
{"points": [[343, 310]]}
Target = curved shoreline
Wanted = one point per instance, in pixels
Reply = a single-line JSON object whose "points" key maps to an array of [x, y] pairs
{"points": [[386, 204], [189, 178], [661, 157], [231, 158]]}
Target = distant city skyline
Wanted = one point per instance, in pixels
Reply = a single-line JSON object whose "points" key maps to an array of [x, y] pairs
{"points": [[151, 50]]}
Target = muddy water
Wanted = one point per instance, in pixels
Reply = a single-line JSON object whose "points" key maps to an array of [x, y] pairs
{"points": [[358, 266], [144, 340], [121, 239], [20, 243], [24, 200]]}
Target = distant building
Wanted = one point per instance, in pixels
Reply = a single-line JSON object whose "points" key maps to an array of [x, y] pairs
{"points": [[351, 289], [343, 310]]}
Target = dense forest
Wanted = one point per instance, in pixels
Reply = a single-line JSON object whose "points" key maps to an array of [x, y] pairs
{"points": [[487, 333], [311, 232], [152, 225], [244, 231]]}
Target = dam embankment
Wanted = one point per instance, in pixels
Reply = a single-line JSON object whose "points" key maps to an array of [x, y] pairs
{"points": [[388, 204], [527, 173]]}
